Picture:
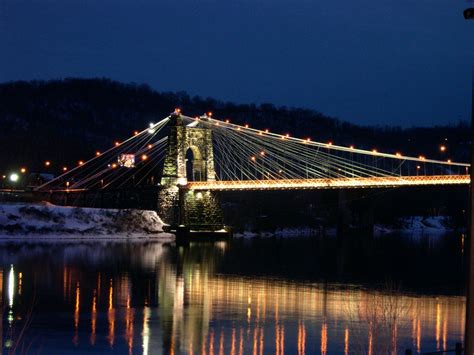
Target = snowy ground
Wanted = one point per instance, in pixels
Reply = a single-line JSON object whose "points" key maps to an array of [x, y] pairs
{"points": [[22, 221]]}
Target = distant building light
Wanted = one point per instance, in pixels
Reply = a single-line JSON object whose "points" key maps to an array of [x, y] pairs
{"points": [[23, 170], [47, 163]]}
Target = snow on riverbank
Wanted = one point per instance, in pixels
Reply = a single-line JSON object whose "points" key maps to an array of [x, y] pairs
{"points": [[45, 221]]}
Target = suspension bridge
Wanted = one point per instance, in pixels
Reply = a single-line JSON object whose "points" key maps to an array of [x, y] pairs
{"points": [[191, 157]]}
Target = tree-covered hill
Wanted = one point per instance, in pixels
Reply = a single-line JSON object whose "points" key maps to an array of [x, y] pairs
{"points": [[67, 120]]}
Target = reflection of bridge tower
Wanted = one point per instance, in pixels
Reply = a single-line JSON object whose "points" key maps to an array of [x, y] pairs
{"points": [[189, 157], [182, 140]]}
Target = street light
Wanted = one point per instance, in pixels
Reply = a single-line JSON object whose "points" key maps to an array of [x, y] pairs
{"points": [[14, 177]]}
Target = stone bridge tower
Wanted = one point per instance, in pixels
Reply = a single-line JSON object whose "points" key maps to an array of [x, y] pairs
{"points": [[182, 139], [179, 207]]}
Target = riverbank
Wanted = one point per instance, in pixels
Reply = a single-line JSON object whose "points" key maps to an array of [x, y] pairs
{"points": [[45, 221], [413, 225]]}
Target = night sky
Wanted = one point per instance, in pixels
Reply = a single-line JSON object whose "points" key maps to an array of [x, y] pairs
{"points": [[401, 62]]}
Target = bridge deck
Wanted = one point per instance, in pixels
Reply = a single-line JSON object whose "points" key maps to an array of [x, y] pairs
{"points": [[336, 183]]}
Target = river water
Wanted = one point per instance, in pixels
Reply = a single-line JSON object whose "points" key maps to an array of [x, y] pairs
{"points": [[247, 296]]}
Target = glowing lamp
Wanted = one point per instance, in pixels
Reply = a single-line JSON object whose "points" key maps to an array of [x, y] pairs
{"points": [[23, 170], [262, 153], [252, 158], [64, 168], [135, 133], [117, 144], [177, 110], [97, 153], [144, 157], [47, 163], [14, 177], [227, 121], [81, 162], [150, 146], [442, 148], [246, 126]]}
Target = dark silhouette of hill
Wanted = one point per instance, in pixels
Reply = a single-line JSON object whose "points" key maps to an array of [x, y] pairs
{"points": [[67, 120]]}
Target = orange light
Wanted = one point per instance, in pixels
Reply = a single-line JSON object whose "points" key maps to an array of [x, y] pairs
{"points": [[246, 126], [117, 144], [97, 153], [287, 135], [209, 114], [81, 162], [64, 168], [144, 157], [449, 161], [442, 148], [150, 146], [262, 153], [398, 155], [266, 130], [421, 157], [252, 158], [177, 110], [114, 166], [135, 133], [329, 143], [238, 128], [418, 167], [23, 170], [308, 139], [47, 163], [227, 121], [374, 151]]}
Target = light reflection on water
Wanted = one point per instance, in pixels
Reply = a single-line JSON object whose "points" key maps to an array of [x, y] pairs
{"points": [[153, 299]]}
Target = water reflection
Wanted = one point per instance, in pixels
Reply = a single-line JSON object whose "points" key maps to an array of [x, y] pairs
{"points": [[154, 298]]}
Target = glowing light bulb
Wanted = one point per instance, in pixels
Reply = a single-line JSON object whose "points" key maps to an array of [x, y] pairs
{"points": [[14, 177], [47, 163], [144, 157], [23, 170]]}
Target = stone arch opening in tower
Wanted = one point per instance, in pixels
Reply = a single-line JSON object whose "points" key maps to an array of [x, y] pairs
{"points": [[195, 165]]}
